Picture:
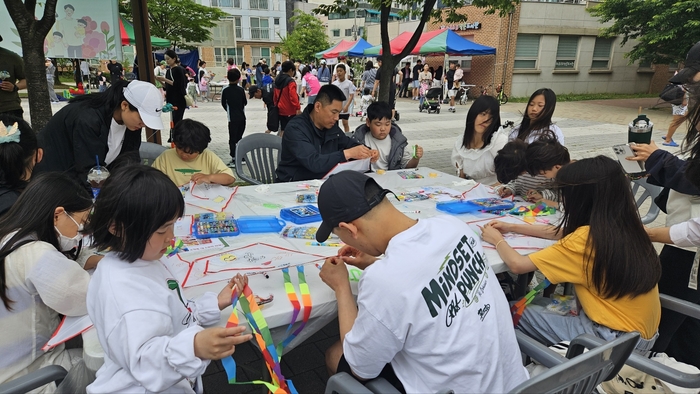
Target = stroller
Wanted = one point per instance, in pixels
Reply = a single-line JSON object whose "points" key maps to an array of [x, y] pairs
{"points": [[432, 100]]}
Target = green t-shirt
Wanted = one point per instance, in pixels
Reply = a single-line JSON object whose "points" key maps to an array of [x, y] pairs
{"points": [[12, 70]]}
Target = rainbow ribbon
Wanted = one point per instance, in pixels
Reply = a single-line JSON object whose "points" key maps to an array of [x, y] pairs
{"points": [[292, 295], [271, 354], [519, 307]]}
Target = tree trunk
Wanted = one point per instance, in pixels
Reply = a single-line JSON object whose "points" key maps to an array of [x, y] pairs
{"points": [[32, 33]]}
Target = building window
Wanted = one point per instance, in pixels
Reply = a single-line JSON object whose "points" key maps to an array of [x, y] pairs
{"points": [[277, 21], [566, 53], [601, 53], [645, 64], [258, 5], [672, 66], [259, 28], [527, 51], [223, 54], [239, 28], [466, 64], [348, 32], [336, 32], [260, 53], [360, 31], [226, 3]]}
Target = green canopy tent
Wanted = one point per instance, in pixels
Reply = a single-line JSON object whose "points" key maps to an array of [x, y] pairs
{"points": [[126, 30]]}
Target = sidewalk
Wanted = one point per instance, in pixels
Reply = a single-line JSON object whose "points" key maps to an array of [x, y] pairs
{"points": [[590, 129]]}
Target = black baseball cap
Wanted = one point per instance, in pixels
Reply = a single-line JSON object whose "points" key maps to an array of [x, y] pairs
{"points": [[251, 92], [345, 197], [691, 66]]}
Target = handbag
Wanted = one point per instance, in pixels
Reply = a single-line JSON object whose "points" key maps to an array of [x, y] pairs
{"points": [[273, 114], [673, 94], [188, 100]]}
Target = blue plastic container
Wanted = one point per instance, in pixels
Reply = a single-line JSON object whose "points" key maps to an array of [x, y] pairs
{"points": [[214, 225], [468, 206], [301, 214], [260, 224]]}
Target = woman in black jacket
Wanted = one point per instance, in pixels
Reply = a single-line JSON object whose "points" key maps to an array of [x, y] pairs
{"points": [[99, 127], [175, 82]]}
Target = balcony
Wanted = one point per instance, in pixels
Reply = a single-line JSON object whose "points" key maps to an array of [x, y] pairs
{"points": [[226, 3], [260, 33], [259, 5]]}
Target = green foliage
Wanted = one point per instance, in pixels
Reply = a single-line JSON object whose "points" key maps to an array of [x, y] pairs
{"points": [[665, 29], [178, 20], [308, 37]]}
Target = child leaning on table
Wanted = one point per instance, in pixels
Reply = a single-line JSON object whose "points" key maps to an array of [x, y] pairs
{"points": [[511, 171], [153, 337], [394, 152], [190, 160]]}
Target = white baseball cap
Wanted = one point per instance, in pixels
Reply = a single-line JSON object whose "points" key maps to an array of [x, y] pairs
{"points": [[323, 61], [148, 100]]}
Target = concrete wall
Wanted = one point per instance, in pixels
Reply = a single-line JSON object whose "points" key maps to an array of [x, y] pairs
{"points": [[550, 20]]}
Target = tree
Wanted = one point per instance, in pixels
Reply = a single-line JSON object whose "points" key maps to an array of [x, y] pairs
{"points": [[32, 33], [178, 20], [665, 29], [448, 12], [306, 39]]}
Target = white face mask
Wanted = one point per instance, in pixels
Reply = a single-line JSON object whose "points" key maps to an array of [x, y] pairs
{"points": [[68, 243]]}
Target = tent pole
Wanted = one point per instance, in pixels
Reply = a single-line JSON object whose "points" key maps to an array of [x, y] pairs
{"points": [[144, 52]]}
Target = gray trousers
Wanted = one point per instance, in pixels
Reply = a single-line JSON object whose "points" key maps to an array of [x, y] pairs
{"points": [[52, 93], [550, 328]]}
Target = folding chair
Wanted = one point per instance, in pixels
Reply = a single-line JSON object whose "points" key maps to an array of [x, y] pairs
{"points": [[33, 380], [262, 154], [148, 152], [648, 191]]}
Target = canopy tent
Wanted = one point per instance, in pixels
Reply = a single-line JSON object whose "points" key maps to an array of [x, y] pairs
{"points": [[345, 48], [126, 30], [435, 42]]}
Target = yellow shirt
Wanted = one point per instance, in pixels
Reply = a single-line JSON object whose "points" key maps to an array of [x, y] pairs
{"points": [[564, 262], [180, 171]]}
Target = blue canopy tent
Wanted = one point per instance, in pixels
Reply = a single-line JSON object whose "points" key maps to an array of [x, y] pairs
{"points": [[436, 42]]}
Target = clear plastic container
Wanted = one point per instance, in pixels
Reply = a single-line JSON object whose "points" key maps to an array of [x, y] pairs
{"points": [[301, 214], [467, 206], [260, 224], [96, 178]]}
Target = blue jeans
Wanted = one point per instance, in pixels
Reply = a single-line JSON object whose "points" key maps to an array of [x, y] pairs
{"points": [[550, 328]]}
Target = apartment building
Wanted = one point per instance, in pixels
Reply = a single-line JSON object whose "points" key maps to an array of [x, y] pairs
{"points": [[251, 31]]}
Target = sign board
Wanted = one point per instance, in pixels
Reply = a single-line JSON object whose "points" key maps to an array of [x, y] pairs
{"points": [[564, 64], [84, 29], [463, 26]]}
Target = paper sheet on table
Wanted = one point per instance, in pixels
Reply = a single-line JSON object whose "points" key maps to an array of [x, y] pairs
{"points": [[70, 327], [354, 165], [213, 198], [183, 226], [516, 241], [250, 259]]}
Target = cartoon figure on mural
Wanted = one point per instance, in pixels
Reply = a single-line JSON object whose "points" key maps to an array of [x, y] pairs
{"points": [[56, 46]]}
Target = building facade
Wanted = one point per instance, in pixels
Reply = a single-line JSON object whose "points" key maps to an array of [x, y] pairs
{"points": [[251, 32], [550, 44]]}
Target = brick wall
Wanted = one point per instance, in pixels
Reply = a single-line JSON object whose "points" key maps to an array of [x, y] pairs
{"points": [[487, 69], [660, 78]]}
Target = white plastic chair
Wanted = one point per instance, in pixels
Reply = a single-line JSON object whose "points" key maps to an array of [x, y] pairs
{"points": [[649, 191]]}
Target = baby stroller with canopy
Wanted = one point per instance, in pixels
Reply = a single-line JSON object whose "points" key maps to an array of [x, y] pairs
{"points": [[431, 103]]}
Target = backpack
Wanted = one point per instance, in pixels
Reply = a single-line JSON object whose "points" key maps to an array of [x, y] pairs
{"points": [[673, 94]]}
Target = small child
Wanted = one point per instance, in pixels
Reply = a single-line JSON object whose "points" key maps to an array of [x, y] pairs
{"points": [[367, 99], [545, 157], [459, 75], [393, 152], [273, 123], [511, 171], [191, 160], [204, 88], [101, 82], [267, 80], [193, 91], [234, 101], [153, 338]]}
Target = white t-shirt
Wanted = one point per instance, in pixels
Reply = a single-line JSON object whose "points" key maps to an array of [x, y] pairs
{"points": [[384, 148], [534, 135], [478, 163], [433, 307], [115, 140], [348, 89], [146, 329]]}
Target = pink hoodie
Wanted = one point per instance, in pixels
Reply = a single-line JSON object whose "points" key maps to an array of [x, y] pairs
{"points": [[314, 85]]}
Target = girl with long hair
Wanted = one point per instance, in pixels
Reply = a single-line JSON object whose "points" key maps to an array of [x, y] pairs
{"points": [[99, 127], [175, 82], [602, 250], [19, 153], [474, 153], [537, 120], [38, 282]]}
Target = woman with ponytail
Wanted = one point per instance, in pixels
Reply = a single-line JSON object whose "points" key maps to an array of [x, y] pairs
{"points": [[19, 154], [99, 127]]}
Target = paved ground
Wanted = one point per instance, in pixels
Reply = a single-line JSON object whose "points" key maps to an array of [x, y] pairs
{"points": [[590, 128]]}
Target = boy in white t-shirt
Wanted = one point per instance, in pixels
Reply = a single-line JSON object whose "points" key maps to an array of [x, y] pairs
{"points": [[348, 89], [459, 75], [430, 315], [381, 135]]}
